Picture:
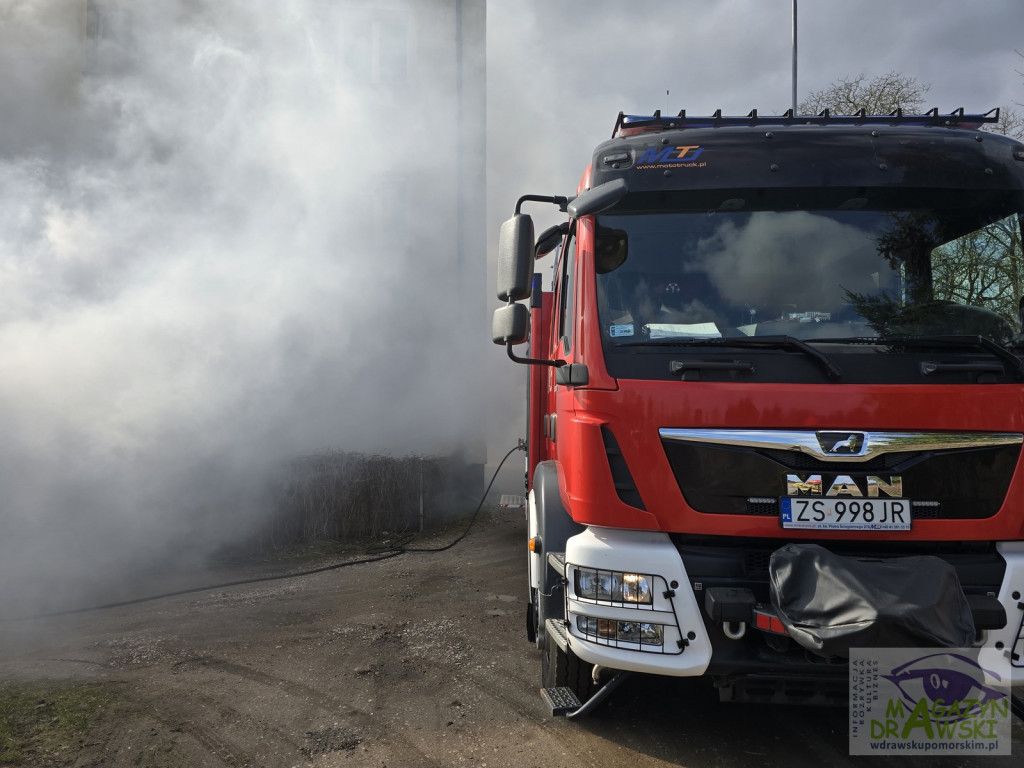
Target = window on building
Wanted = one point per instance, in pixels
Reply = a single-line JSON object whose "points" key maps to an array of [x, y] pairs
{"points": [[106, 20], [376, 51]]}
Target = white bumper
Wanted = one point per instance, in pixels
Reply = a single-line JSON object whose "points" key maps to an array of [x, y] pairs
{"points": [[686, 649], [1008, 642]]}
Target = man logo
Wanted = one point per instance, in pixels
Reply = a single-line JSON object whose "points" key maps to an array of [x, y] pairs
{"points": [[841, 443]]}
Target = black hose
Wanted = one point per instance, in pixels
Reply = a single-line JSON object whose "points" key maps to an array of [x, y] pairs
{"points": [[1017, 706], [402, 549], [378, 554]]}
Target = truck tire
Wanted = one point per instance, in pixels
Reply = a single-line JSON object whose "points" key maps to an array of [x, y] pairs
{"points": [[564, 669], [531, 617]]}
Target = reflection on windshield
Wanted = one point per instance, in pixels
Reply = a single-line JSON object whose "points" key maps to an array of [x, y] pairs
{"points": [[807, 274]]}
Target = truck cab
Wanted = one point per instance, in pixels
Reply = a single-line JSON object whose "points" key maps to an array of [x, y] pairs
{"points": [[779, 355]]}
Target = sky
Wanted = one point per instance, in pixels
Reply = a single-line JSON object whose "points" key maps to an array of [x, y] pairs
{"points": [[190, 294], [561, 70]]}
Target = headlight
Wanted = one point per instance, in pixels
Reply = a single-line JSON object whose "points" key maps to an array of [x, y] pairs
{"points": [[613, 586], [638, 632], [636, 588]]}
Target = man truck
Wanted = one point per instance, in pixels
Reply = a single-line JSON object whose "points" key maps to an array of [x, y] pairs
{"points": [[775, 401]]}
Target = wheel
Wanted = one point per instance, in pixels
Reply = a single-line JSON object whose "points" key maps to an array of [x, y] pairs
{"points": [[531, 617], [564, 669]]}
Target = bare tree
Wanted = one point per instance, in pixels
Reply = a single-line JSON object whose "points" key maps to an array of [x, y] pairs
{"points": [[1011, 123], [878, 95], [983, 269]]}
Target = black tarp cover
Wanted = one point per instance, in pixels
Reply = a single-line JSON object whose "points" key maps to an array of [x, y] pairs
{"points": [[830, 603]]}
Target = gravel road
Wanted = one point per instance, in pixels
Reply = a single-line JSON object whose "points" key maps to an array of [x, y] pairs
{"points": [[418, 660]]}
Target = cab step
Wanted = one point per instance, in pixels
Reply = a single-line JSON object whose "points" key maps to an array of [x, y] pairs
{"points": [[562, 701], [510, 501]]}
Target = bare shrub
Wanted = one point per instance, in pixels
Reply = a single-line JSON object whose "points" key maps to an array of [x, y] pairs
{"points": [[337, 495]]}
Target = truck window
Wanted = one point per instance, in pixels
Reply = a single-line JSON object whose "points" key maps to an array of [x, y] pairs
{"points": [[566, 286], [811, 274], [983, 268]]}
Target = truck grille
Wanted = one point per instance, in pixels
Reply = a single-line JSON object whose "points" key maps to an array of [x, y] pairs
{"points": [[961, 483]]}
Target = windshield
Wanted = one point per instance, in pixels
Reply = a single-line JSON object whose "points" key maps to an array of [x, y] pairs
{"points": [[833, 274]]}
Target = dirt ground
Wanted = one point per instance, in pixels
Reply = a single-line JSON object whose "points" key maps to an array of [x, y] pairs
{"points": [[418, 660]]}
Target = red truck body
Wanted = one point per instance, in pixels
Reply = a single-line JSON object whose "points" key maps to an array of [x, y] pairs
{"points": [[765, 332]]}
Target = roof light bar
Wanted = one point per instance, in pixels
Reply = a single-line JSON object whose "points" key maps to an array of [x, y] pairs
{"points": [[628, 125]]}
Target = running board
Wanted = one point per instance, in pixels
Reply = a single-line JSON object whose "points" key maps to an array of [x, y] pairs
{"points": [[561, 701], [565, 703]]}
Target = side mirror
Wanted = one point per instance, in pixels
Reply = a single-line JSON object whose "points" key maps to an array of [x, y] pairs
{"points": [[550, 238], [511, 324], [598, 199], [515, 258]]}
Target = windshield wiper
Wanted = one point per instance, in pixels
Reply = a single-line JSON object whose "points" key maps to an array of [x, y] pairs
{"points": [[770, 342], [944, 342]]}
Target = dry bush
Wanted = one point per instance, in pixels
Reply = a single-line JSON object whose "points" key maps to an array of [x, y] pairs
{"points": [[336, 495]]}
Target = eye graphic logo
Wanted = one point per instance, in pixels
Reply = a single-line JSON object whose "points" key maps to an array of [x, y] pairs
{"points": [[954, 682]]}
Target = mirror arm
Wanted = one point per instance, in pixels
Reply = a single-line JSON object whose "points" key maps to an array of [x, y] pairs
{"points": [[531, 360], [560, 200]]}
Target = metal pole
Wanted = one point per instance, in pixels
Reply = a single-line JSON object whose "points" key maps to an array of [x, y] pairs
{"points": [[794, 58], [460, 163]]}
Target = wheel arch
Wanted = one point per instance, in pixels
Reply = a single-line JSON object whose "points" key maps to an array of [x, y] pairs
{"points": [[552, 525]]}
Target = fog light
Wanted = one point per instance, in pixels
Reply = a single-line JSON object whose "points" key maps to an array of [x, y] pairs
{"points": [[639, 632], [613, 586], [606, 628]]}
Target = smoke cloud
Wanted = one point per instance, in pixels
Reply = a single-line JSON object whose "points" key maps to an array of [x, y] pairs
{"points": [[223, 245], [219, 249]]}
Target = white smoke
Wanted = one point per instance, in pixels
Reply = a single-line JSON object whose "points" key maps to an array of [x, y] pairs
{"points": [[216, 253]]}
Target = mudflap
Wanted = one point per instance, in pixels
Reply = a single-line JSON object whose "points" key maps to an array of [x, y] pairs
{"points": [[531, 623], [809, 691]]}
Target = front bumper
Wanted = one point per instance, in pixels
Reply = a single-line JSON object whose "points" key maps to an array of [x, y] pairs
{"points": [[1008, 642], [692, 644]]}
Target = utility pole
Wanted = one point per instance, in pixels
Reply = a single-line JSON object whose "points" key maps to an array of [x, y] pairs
{"points": [[794, 58]]}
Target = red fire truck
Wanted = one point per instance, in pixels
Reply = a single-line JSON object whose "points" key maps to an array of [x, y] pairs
{"points": [[776, 407]]}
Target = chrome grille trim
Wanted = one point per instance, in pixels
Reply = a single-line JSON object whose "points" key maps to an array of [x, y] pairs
{"points": [[871, 444]]}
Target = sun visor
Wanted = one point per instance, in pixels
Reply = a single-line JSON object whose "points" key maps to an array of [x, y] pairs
{"points": [[830, 603]]}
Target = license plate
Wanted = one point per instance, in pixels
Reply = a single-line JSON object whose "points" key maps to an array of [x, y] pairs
{"points": [[845, 514]]}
